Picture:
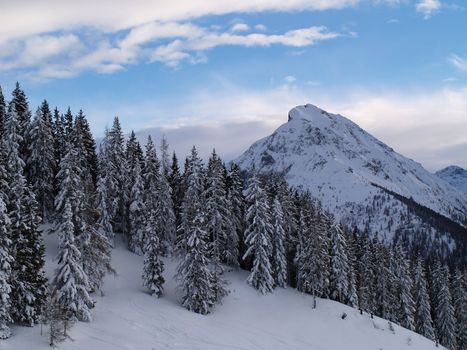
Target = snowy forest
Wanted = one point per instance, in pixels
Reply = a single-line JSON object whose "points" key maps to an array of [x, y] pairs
{"points": [[207, 216]]}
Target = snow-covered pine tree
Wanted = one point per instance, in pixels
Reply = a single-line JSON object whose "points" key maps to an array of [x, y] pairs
{"points": [[352, 247], [459, 297], [2, 114], [153, 266], [192, 201], [151, 176], [41, 162], [443, 309], [258, 237], [423, 320], [137, 212], [406, 307], [68, 125], [279, 257], [385, 283], [237, 207], [20, 106], [193, 271], [166, 216], [367, 277], [218, 224], [134, 154], [339, 265], [58, 130], [96, 257], [175, 181], [165, 158], [70, 281], [117, 174], [84, 140], [6, 260], [28, 282], [103, 222]]}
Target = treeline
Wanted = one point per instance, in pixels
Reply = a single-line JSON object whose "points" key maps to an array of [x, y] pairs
{"points": [[208, 215]]}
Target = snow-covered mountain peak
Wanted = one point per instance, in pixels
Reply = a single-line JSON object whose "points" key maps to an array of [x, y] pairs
{"points": [[455, 175], [346, 168]]}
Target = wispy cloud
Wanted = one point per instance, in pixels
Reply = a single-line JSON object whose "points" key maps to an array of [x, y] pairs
{"points": [[458, 62], [428, 7], [240, 27]]}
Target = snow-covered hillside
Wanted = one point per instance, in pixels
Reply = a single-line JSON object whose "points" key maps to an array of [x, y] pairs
{"points": [[454, 175], [127, 317], [340, 163]]}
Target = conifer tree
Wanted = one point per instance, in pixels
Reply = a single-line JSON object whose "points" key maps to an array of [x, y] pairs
{"points": [[352, 246], [406, 307], [339, 284], [6, 261], [258, 237], [175, 182], [193, 272], [96, 257], [192, 201], [137, 212], [153, 266], [2, 114], [237, 209], [28, 282], [70, 282], [367, 278], [443, 309], [84, 140], [165, 158], [151, 176], [68, 126], [41, 162], [20, 107], [279, 239], [103, 221], [166, 216], [423, 320], [218, 224], [459, 296], [58, 129]]}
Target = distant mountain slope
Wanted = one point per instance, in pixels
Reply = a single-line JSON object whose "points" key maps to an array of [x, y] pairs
{"points": [[128, 318], [454, 175], [340, 163]]}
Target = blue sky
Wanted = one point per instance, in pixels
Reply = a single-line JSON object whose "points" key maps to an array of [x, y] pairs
{"points": [[396, 67]]}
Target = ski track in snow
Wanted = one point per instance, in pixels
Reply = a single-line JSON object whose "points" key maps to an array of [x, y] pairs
{"points": [[128, 318]]}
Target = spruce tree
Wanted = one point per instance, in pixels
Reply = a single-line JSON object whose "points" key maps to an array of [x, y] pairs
{"points": [[153, 266], [279, 239], [367, 277], [20, 107], [28, 282], [423, 320], [339, 265], [193, 271], [459, 296], [103, 222], [151, 176], [137, 213], [258, 237], [58, 129], [68, 125], [166, 216], [237, 208], [406, 307], [2, 114], [70, 281], [443, 309], [86, 142], [175, 182], [192, 201], [41, 162], [6, 261]]}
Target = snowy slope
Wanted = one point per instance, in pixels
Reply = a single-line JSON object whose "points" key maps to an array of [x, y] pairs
{"points": [[454, 175], [338, 162], [128, 318]]}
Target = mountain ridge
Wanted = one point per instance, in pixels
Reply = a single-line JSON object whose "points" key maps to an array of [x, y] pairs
{"points": [[337, 161]]}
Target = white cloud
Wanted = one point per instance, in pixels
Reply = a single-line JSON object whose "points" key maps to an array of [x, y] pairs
{"points": [[290, 79], [428, 126], [428, 7], [31, 17], [240, 27], [458, 62], [261, 27], [182, 49]]}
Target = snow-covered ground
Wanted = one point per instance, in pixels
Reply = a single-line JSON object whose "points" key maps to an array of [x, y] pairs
{"points": [[127, 317]]}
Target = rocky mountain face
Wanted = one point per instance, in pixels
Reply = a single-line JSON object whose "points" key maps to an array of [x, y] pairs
{"points": [[454, 175], [362, 181]]}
